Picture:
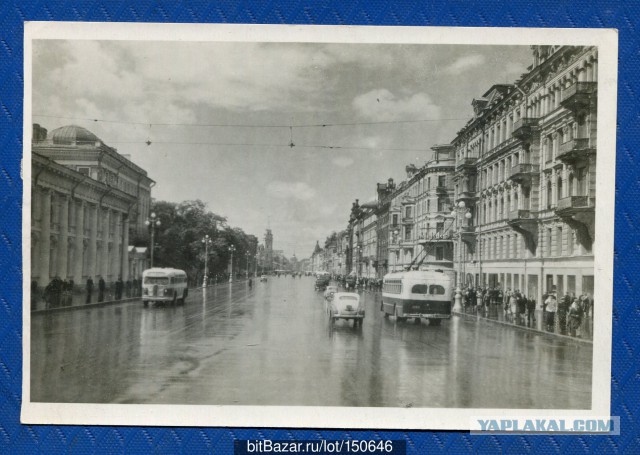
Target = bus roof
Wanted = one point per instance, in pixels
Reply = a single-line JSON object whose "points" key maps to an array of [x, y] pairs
{"points": [[418, 275], [163, 271]]}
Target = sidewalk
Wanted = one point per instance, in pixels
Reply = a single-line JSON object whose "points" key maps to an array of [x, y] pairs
{"points": [[496, 314], [79, 300]]}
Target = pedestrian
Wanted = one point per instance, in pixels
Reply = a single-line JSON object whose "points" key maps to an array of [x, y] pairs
{"points": [[119, 288], [127, 288], [513, 304], [575, 317], [531, 311], [89, 288], [563, 308], [522, 306], [101, 288], [550, 312], [35, 294], [66, 294]]}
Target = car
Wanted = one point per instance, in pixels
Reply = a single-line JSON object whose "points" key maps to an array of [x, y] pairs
{"points": [[330, 291], [322, 282], [346, 305], [263, 278]]}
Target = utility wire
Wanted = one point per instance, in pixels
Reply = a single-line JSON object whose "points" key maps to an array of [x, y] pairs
{"points": [[239, 125], [237, 144]]}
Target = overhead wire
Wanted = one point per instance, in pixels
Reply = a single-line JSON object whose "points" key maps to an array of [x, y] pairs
{"points": [[244, 125]]}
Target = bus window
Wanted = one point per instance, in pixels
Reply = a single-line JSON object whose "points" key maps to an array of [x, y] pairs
{"points": [[420, 289], [436, 289], [156, 280]]}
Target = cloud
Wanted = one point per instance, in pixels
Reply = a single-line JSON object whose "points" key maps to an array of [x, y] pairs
{"points": [[342, 161], [465, 63], [287, 190], [383, 105]]}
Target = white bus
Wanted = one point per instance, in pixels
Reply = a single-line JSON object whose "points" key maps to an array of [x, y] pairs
{"points": [[417, 294], [164, 285]]}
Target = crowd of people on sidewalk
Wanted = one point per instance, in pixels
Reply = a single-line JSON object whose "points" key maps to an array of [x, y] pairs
{"points": [[563, 316], [60, 293]]}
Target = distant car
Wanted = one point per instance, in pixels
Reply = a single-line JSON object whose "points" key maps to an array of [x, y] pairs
{"points": [[263, 278], [330, 291], [322, 282], [346, 305]]}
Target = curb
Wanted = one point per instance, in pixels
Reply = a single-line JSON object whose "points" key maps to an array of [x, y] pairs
{"points": [[81, 307], [106, 303], [528, 329]]}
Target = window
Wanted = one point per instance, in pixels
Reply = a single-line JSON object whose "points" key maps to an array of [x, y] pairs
{"points": [[395, 220], [407, 212], [439, 253], [442, 180], [420, 289], [436, 289], [83, 170], [441, 205], [570, 241], [156, 280], [559, 241]]}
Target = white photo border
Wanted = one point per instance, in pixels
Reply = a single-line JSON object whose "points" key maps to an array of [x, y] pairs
{"points": [[339, 417]]}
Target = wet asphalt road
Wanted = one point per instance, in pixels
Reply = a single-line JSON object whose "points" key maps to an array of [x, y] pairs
{"points": [[273, 345]]}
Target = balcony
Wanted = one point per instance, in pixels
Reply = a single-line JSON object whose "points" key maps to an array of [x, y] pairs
{"points": [[434, 236], [574, 203], [574, 150], [579, 96], [467, 196], [524, 222], [523, 173], [408, 219], [579, 213], [520, 215], [466, 163], [406, 199], [443, 189], [524, 128]]}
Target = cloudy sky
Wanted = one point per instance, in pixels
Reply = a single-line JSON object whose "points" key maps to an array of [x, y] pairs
{"points": [[221, 118]]}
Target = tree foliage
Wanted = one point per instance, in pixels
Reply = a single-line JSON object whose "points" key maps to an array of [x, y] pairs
{"points": [[178, 240]]}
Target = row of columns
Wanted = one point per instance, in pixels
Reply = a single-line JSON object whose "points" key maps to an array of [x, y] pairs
{"points": [[115, 263]]}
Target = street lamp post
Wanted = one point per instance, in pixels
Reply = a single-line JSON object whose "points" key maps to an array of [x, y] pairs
{"points": [[154, 222], [231, 249], [393, 239], [206, 240], [458, 211], [256, 269]]}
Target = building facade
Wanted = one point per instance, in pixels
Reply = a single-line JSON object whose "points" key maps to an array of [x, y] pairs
{"points": [[82, 210], [525, 166]]}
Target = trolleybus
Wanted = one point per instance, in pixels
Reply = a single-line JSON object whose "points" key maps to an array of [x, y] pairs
{"points": [[417, 294]]}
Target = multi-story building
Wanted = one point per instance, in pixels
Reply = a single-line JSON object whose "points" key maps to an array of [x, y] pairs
{"points": [[525, 168], [86, 201], [384, 192]]}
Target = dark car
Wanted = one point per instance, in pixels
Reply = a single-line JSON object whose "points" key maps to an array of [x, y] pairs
{"points": [[322, 282]]}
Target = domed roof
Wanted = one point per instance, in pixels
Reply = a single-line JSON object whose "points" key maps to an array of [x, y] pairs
{"points": [[73, 134]]}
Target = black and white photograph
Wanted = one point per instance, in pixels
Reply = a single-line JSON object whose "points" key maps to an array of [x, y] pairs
{"points": [[316, 226]]}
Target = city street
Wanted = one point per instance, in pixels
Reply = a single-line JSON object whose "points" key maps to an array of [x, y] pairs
{"points": [[272, 344]]}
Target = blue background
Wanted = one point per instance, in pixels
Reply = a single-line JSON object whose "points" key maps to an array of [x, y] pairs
{"points": [[625, 381]]}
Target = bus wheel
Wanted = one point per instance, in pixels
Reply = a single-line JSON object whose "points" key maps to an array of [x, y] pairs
{"points": [[417, 321], [435, 322]]}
